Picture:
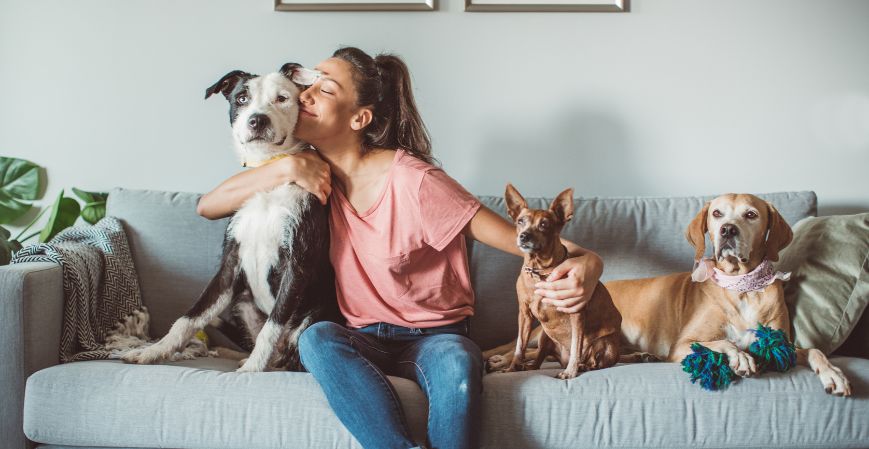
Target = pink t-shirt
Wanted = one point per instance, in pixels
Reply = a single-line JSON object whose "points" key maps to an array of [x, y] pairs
{"points": [[403, 261]]}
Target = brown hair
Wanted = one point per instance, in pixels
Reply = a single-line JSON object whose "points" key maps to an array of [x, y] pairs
{"points": [[384, 83]]}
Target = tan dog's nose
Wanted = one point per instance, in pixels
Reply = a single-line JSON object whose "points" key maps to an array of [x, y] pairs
{"points": [[524, 237], [729, 230]]}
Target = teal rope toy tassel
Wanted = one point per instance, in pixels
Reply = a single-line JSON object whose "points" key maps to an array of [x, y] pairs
{"points": [[709, 367], [772, 350]]}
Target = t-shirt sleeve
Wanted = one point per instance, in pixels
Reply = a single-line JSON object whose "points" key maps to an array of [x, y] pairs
{"points": [[445, 208]]}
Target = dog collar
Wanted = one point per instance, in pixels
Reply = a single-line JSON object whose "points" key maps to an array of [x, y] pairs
{"points": [[261, 163], [535, 272], [757, 279], [538, 273]]}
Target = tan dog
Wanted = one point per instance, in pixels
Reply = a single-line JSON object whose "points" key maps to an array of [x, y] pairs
{"points": [[662, 316], [581, 341]]}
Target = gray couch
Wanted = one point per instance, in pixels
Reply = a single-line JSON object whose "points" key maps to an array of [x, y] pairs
{"points": [[203, 404]]}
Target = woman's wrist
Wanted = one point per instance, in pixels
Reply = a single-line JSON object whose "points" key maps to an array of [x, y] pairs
{"points": [[592, 262], [285, 170], [595, 265]]}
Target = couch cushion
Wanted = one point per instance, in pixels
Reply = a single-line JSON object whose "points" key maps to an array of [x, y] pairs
{"points": [[176, 252], [94, 404], [654, 405], [190, 404], [636, 237]]}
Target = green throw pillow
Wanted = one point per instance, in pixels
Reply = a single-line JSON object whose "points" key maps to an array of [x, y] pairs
{"points": [[829, 286]]}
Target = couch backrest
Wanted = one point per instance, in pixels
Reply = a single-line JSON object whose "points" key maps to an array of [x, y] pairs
{"points": [[176, 251], [635, 237]]}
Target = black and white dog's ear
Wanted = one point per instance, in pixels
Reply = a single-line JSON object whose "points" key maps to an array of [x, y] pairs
{"points": [[298, 74], [226, 84]]}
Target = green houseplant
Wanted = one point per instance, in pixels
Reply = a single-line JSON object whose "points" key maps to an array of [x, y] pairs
{"points": [[21, 183]]}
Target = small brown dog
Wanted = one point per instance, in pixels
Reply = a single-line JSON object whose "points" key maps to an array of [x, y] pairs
{"points": [[582, 341]]}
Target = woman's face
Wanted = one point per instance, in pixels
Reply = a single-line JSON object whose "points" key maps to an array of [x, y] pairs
{"points": [[328, 109]]}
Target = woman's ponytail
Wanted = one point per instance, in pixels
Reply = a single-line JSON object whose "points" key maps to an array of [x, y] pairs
{"points": [[384, 83]]}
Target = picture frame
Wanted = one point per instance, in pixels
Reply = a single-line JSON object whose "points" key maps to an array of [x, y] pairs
{"points": [[355, 5], [546, 5]]}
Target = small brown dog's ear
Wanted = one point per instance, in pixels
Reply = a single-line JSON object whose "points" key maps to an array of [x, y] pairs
{"points": [[696, 232], [780, 233], [515, 202], [562, 206]]}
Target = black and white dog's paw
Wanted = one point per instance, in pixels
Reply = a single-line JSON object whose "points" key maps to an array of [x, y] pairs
{"points": [[249, 365], [145, 356]]}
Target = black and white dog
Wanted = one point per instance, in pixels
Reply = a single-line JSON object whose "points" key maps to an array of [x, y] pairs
{"points": [[275, 271]]}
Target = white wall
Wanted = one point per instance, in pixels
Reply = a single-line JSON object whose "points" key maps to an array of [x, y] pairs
{"points": [[676, 97]]}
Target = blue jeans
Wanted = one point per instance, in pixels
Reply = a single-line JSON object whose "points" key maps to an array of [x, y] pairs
{"points": [[351, 366]]}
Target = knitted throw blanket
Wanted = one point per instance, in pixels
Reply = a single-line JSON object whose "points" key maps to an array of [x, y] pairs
{"points": [[99, 283]]}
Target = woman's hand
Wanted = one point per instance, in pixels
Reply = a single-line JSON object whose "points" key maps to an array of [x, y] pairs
{"points": [[571, 284], [309, 172]]}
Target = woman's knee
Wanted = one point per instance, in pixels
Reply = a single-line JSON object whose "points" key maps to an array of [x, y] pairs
{"points": [[319, 336], [457, 359]]}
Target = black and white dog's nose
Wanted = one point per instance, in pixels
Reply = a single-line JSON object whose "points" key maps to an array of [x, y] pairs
{"points": [[729, 230], [258, 122]]}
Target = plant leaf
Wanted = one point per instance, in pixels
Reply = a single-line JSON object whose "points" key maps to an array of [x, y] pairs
{"points": [[90, 197], [95, 205], [20, 178], [94, 212], [11, 208], [83, 195], [20, 181], [64, 212], [5, 246]]}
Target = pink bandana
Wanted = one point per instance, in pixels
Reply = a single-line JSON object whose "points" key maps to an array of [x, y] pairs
{"points": [[757, 279]]}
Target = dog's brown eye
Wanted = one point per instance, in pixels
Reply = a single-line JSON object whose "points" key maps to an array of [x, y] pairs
{"points": [[241, 99], [716, 213], [751, 214], [521, 221], [282, 99], [544, 224]]}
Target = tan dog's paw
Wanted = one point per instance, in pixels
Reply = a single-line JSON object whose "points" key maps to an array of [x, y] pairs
{"points": [[242, 362], [496, 363], [742, 363], [514, 367], [834, 381]]}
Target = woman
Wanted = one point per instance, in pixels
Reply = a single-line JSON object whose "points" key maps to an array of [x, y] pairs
{"points": [[397, 244]]}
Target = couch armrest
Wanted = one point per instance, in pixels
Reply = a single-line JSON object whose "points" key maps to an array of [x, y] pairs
{"points": [[31, 315]]}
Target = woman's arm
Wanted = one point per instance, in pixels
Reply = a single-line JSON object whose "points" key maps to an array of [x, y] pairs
{"points": [[490, 228], [568, 287], [305, 169]]}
